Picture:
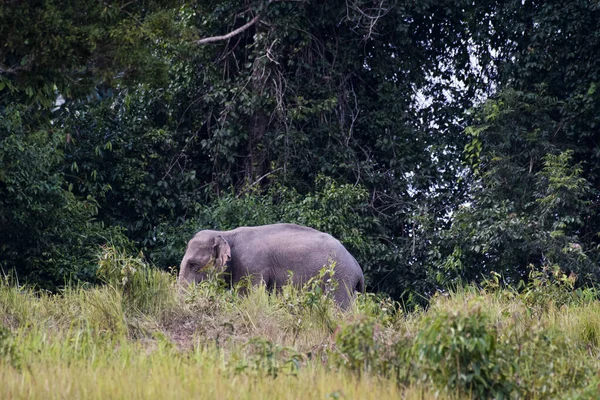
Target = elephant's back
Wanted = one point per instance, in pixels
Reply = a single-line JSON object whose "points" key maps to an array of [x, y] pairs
{"points": [[303, 236], [276, 233], [276, 229], [295, 245]]}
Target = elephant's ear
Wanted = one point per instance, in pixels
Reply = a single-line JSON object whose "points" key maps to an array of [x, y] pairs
{"points": [[222, 251]]}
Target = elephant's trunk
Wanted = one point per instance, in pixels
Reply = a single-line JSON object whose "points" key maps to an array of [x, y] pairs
{"points": [[182, 278]]}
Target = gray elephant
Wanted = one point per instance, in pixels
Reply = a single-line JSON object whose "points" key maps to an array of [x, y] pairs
{"points": [[267, 253]]}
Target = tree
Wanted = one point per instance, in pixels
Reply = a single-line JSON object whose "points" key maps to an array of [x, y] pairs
{"points": [[71, 49], [534, 149]]}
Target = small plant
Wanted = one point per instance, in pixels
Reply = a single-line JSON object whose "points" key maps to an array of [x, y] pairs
{"points": [[143, 287], [379, 306], [116, 267], [357, 347], [360, 350], [8, 349], [548, 287], [312, 303], [320, 288], [270, 359], [493, 284], [215, 282], [457, 351], [211, 294]]}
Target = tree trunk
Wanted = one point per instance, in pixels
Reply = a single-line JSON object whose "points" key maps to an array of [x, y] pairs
{"points": [[259, 121], [256, 157]]}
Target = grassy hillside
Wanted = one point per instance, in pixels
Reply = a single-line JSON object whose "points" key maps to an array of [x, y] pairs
{"points": [[138, 336]]}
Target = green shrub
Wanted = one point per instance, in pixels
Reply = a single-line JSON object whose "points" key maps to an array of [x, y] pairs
{"points": [[457, 351], [318, 291], [211, 296], [8, 350], [550, 287], [312, 306], [357, 347], [144, 288], [333, 208], [548, 357], [378, 306], [360, 348], [270, 359]]}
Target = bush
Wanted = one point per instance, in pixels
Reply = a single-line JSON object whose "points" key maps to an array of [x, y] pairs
{"points": [[358, 349], [379, 306], [8, 350], [269, 359], [550, 287], [457, 351], [312, 306], [363, 348], [144, 288], [547, 358]]}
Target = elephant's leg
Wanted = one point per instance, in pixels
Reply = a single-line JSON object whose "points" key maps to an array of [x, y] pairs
{"points": [[248, 281], [343, 295]]}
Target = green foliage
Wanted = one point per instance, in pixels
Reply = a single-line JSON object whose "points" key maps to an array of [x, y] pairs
{"points": [[359, 350], [362, 345], [379, 306], [562, 207], [540, 352], [522, 213], [549, 287], [144, 288], [458, 351], [312, 305], [319, 287], [118, 269], [533, 148], [562, 190], [49, 234], [338, 209], [129, 162], [8, 350], [343, 116], [285, 105], [269, 359], [69, 46]]}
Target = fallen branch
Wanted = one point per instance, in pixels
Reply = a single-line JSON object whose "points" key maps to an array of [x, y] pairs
{"points": [[239, 30], [230, 34]]}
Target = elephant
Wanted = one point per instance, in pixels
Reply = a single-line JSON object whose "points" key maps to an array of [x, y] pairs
{"points": [[268, 254]]}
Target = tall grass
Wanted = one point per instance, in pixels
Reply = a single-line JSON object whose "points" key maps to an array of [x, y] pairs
{"points": [[139, 336]]}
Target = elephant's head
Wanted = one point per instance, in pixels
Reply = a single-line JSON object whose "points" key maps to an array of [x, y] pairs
{"points": [[205, 251]]}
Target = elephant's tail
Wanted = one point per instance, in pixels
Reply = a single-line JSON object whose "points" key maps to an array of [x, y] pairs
{"points": [[360, 285]]}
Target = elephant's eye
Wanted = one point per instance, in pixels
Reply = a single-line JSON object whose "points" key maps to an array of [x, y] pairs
{"points": [[195, 267]]}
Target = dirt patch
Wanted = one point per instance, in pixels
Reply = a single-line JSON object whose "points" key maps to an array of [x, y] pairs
{"points": [[186, 332]]}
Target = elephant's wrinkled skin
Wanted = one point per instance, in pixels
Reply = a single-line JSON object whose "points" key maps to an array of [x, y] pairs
{"points": [[267, 253]]}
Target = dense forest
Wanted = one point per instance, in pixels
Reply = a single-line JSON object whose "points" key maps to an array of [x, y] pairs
{"points": [[441, 141]]}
